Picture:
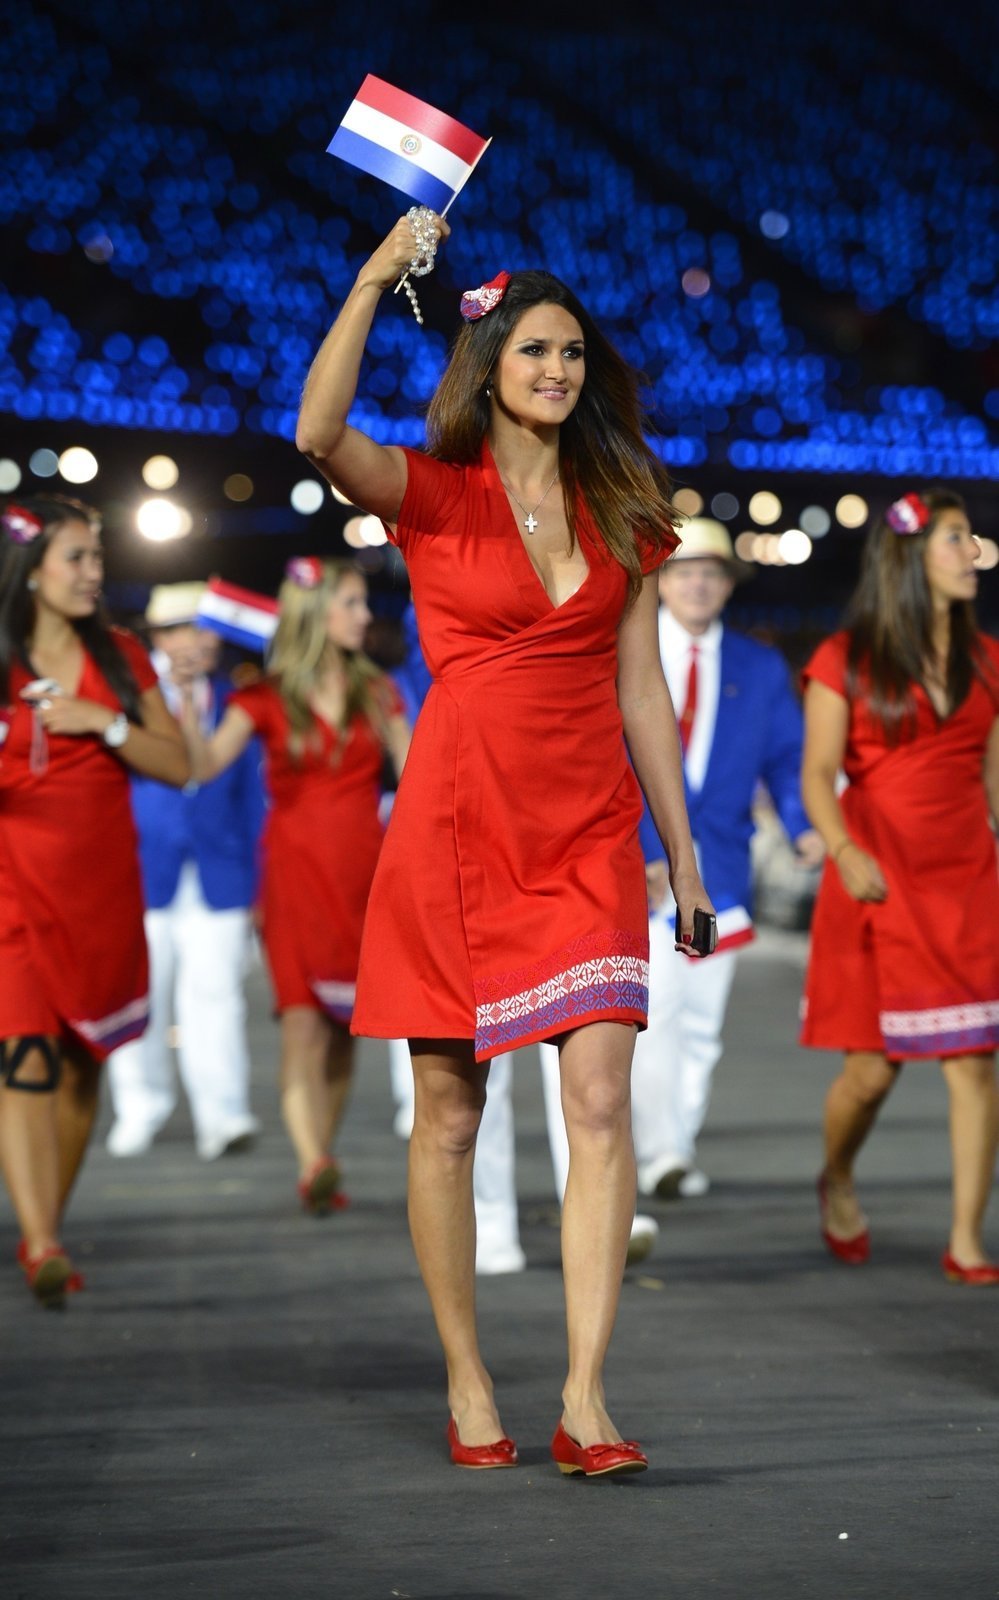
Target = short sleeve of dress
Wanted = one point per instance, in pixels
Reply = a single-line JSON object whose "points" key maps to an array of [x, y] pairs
{"points": [[828, 665], [257, 700], [433, 491], [653, 555], [137, 657]]}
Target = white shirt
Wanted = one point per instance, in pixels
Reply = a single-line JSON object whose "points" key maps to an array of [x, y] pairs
{"points": [[675, 645]]}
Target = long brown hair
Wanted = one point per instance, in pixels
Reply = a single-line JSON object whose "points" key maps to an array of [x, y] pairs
{"points": [[18, 562], [301, 649], [890, 623], [603, 455]]}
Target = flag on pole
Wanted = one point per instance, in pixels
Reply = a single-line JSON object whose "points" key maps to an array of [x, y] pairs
{"points": [[407, 143], [239, 615]]}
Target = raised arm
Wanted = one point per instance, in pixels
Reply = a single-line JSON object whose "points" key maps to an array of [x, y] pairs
{"points": [[211, 756], [372, 476], [650, 729], [827, 720]]}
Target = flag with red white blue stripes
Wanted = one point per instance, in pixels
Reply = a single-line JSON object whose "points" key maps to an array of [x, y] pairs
{"points": [[407, 143]]}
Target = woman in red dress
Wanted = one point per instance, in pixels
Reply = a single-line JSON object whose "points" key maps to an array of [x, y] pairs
{"points": [[72, 950], [325, 716], [905, 939], [509, 903]]}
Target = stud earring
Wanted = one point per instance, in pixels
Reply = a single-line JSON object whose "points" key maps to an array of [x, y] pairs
{"points": [[32, 584]]}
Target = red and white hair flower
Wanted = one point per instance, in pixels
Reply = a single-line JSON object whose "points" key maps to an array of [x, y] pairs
{"points": [[475, 303], [908, 515], [305, 571], [21, 525]]}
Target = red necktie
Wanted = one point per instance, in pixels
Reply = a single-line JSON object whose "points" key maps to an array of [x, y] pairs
{"points": [[686, 720]]}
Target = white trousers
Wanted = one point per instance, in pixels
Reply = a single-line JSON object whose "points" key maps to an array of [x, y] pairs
{"points": [[494, 1175], [677, 1054], [197, 961]]}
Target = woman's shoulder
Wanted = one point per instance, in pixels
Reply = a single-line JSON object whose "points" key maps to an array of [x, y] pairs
{"points": [[136, 655], [828, 662]]}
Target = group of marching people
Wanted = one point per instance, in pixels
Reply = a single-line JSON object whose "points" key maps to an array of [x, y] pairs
{"points": [[523, 892]]}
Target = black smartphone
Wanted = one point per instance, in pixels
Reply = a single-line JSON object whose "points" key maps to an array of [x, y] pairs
{"points": [[705, 937]]}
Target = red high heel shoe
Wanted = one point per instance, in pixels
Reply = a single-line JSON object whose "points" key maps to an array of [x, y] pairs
{"points": [[503, 1453], [74, 1283], [855, 1250], [318, 1189], [596, 1460], [986, 1273]]}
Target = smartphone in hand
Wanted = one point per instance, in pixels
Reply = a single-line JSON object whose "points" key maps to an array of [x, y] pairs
{"points": [[705, 938]]}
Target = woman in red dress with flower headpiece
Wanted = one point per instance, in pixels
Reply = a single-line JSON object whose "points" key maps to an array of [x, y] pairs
{"points": [[79, 707], [904, 960], [326, 718], [509, 903]]}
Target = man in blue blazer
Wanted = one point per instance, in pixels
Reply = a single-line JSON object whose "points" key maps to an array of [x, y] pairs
{"points": [[199, 856], [741, 726]]}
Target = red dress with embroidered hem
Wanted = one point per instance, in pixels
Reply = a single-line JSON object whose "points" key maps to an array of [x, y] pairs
{"points": [[918, 975], [509, 903], [321, 842], [72, 947]]}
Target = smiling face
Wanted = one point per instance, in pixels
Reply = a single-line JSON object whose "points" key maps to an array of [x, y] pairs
{"points": [[348, 616], [949, 559], [541, 367], [69, 576]]}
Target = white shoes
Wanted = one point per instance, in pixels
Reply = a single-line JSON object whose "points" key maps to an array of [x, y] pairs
{"points": [[493, 1259], [644, 1233], [132, 1138], [693, 1184], [233, 1136]]}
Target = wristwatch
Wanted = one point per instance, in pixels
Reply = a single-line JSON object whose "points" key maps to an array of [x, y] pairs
{"points": [[116, 732]]}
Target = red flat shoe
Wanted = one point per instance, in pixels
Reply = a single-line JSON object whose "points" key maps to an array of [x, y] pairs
{"points": [[74, 1283], [318, 1189], [986, 1273], [596, 1460], [855, 1250], [478, 1456], [48, 1273]]}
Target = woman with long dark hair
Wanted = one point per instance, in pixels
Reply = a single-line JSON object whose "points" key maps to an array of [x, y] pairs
{"points": [[79, 707], [509, 904], [904, 959], [326, 717]]}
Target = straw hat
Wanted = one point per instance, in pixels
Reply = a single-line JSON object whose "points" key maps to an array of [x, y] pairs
{"points": [[171, 604], [702, 538]]}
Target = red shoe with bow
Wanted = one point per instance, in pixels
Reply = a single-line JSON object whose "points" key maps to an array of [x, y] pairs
{"points": [[74, 1283], [503, 1453], [596, 1460]]}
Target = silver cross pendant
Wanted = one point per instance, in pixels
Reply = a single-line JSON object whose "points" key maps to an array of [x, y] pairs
{"points": [[530, 522]]}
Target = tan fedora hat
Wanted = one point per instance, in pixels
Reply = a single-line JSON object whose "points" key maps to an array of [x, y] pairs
{"points": [[703, 538], [171, 604]]}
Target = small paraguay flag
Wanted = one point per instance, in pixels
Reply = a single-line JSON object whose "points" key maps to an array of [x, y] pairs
{"points": [[239, 615], [407, 143]]}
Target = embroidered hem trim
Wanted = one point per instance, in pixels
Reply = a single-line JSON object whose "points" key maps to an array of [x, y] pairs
{"points": [[943, 1030], [335, 997], [107, 1033], [600, 973]]}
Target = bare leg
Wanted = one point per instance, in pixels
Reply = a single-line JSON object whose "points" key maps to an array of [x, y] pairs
{"points": [[974, 1132], [450, 1095], [29, 1151], [597, 1213], [305, 1043], [76, 1109], [339, 1070], [852, 1104]]}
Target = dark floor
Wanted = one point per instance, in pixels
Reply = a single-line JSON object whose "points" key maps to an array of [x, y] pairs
{"points": [[247, 1402]]}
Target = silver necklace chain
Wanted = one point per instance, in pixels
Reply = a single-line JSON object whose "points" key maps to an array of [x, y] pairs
{"points": [[530, 520]]}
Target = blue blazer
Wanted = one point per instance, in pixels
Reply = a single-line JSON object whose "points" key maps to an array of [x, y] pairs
{"points": [[217, 826], [757, 738]]}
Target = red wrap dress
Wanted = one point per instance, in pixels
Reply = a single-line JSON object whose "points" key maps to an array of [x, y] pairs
{"points": [[509, 903], [72, 948], [918, 974], [321, 842]]}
